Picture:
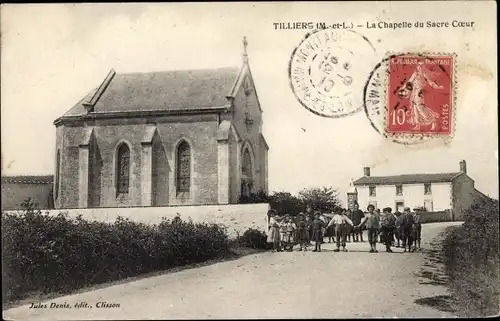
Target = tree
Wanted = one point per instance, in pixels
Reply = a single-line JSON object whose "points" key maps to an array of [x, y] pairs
{"points": [[29, 205], [286, 203], [325, 199]]}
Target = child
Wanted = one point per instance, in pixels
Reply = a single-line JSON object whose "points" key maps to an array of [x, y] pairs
{"points": [[273, 235], [317, 228], [342, 223], [372, 221], [387, 228], [329, 230], [302, 237], [290, 231], [357, 216], [308, 229], [283, 234], [350, 228]]}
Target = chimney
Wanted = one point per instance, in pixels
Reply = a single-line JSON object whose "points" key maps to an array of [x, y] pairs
{"points": [[463, 166], [366, 171]]}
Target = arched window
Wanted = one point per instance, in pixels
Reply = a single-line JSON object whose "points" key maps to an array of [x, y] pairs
{"points": [[58, 170], [183, 167], [247, 174], [123, 169]]}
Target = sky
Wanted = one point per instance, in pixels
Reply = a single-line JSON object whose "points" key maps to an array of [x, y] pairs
{"points": [[53, 55]]}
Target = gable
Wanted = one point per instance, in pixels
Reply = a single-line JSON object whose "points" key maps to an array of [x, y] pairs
{"points": [[245, 83]]}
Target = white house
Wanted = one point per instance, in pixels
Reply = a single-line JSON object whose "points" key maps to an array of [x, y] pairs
{"points": [[436, 192]]}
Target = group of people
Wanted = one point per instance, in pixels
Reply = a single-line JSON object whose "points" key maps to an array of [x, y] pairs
{"points": [[392, 229]]}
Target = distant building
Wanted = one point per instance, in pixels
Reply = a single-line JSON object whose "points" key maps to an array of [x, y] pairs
{"points": [[16, 189], [162, 138], [436, 192]]}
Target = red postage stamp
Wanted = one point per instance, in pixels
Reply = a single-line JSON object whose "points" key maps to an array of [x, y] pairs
{"points": [[420, 95]]}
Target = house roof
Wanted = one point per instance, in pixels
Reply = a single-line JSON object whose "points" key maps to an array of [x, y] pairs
{"points": [[22, 179], [163, 90], [407, 179]]}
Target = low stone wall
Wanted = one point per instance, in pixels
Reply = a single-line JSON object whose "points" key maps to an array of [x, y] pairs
{"points": [[431, 217], [237, 218]]}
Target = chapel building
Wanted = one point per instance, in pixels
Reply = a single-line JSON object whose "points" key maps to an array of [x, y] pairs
{"points": [[162, 138]]}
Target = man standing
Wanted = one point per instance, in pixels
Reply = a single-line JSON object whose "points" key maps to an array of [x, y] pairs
{"points": [[399, 237], [380, 235], [310, 216], [357, 216], [372, 221], [388, 226], [417, 229], [406, 229]]}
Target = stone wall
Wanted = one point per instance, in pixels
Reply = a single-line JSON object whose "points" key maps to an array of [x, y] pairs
{"points": [[13, 194], [237, 218]]}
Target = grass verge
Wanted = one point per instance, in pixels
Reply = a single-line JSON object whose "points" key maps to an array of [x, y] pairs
{"points": [[235, 252], [472, 261]]}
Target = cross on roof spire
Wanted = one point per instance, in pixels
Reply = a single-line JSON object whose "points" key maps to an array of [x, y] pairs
{"points": [[245, 44]]}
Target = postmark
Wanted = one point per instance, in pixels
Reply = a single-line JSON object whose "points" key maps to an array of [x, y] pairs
{"points": [[327, 71], [410, 97]]}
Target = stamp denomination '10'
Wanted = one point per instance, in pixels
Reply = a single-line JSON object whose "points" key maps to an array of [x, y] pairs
{"points": [[326, 73]]}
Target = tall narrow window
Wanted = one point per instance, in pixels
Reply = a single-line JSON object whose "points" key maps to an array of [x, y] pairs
{"points": [[58, 170], [427, 189], [247, 174], [372, 191], [123, 169], [399, 189], [183, 167]]}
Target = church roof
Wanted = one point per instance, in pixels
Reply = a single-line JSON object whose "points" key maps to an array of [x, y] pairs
{"points": [[162, 90], [407, 179]]}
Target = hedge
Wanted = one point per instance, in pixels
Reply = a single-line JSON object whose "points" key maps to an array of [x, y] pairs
{"points": [[472, 259], [255, 239], [57, 254]]}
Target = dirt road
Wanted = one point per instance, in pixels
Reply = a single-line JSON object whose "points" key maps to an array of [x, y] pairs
{"points": [[268, 285]]}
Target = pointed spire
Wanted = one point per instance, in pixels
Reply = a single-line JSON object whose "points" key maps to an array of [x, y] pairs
{"points": [[245, 44]]}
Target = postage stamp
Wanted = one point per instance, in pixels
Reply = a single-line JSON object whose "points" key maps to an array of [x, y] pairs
{"points": [[327, 71], [410, 97], [420, 95]]}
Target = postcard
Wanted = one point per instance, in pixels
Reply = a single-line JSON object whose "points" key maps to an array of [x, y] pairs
{"points": [[249, 160]]}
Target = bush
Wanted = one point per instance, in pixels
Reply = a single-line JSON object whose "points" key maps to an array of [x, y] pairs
{"points": [[254, 239], [259, 197], [472, 259], [47, 254]]}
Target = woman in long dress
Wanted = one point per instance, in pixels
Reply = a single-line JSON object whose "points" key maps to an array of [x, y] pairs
{"points": [[273, 235], [420, 113]]}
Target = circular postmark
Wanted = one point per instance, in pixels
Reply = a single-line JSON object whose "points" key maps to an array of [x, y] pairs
{"points": [[327, 71], [409, 98]]}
